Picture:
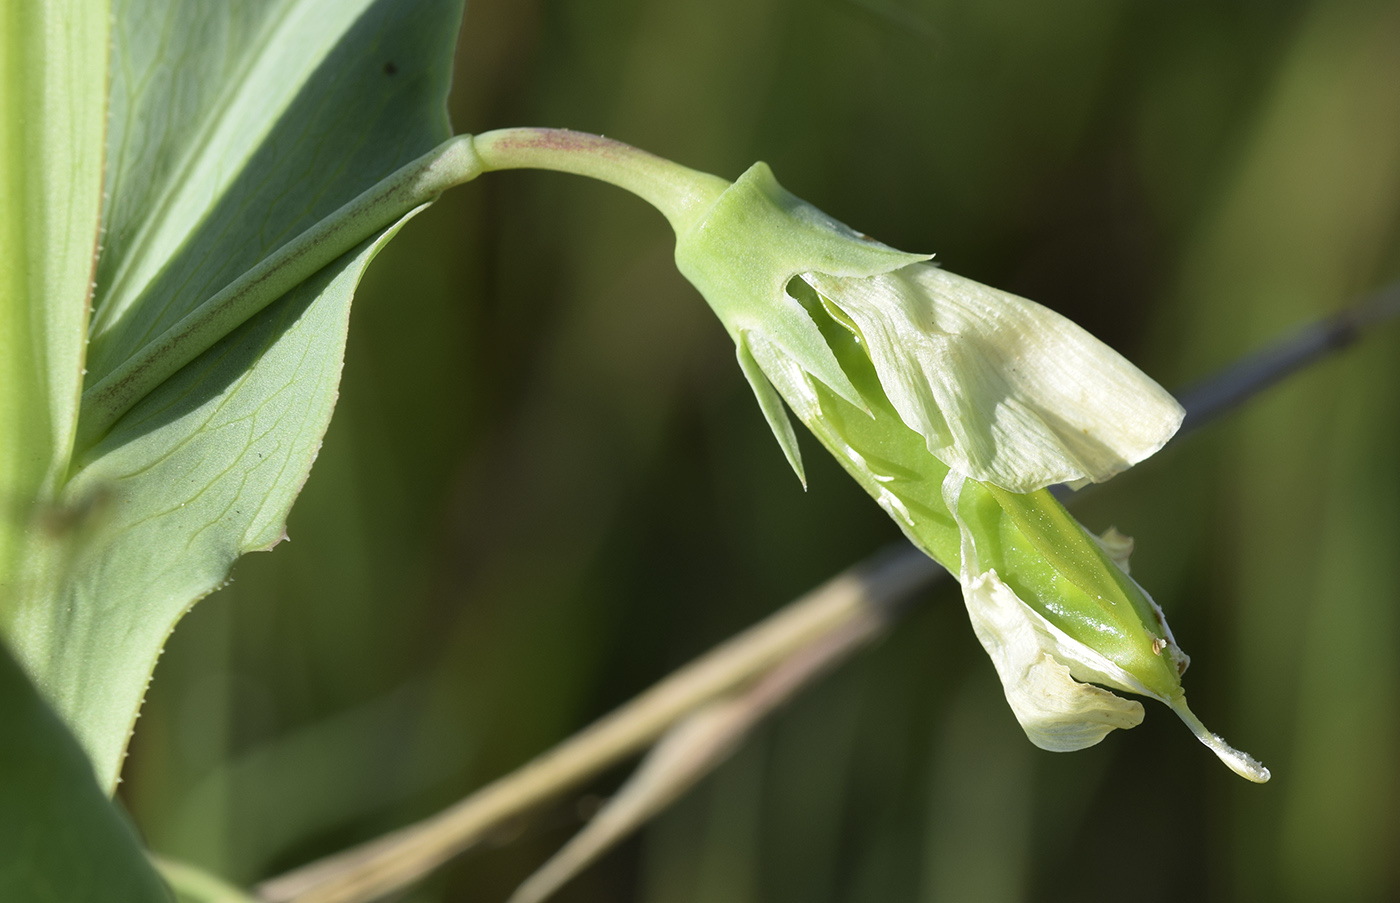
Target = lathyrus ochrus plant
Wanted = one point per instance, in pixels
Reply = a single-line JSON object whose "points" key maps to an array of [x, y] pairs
{"points": [[953, 404], [173, 306]]}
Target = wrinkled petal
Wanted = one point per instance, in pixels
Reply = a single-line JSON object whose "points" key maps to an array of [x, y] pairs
{"points": [[1002, 389], [1042, 668], [1117, 547], [1044, 671], [1056, 711]]}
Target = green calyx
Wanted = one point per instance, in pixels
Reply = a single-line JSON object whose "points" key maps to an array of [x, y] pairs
{"points": [[742, 254], [747, 247]]}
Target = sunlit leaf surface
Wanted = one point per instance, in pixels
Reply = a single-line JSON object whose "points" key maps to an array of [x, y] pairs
{"points": [[233, 127]]}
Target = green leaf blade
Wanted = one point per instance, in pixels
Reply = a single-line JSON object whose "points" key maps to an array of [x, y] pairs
{"points": [[203, 470], [206, 466], [308, 103]]}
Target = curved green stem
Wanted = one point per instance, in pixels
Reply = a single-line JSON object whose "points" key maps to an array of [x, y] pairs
{"points": [[681, 194]]}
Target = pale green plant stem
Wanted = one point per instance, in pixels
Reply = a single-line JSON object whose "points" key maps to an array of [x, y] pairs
{"points": [[854, 605], [681, 194]]}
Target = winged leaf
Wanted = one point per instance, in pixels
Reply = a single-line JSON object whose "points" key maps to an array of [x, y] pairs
{"points": [[233, 128]]}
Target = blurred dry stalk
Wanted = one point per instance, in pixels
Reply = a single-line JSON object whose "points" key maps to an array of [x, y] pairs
{"points": [[837, 618], [750, 675]]}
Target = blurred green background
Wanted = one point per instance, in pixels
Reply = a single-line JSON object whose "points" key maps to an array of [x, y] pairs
{"points": [[547, 484]]}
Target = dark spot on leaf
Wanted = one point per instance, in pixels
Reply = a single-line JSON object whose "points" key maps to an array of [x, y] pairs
{"points": [[390, 68]]}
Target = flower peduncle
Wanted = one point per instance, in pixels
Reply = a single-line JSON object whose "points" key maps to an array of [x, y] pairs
{"points": [[682, 194]]}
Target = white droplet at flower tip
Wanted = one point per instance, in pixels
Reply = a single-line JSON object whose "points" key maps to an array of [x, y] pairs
{"points": [[1241, 763]]}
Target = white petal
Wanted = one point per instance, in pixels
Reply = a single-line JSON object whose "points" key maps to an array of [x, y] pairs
{"points": [[1042, 668], [1117, 547], [1056, 711], [1002, 389], [1037, 662]]}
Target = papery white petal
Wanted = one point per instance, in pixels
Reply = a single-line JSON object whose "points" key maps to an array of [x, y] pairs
{"points": [[1056, 711], [1040, 666], [1042, 669], [1118, 547], [1002, 389]]}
